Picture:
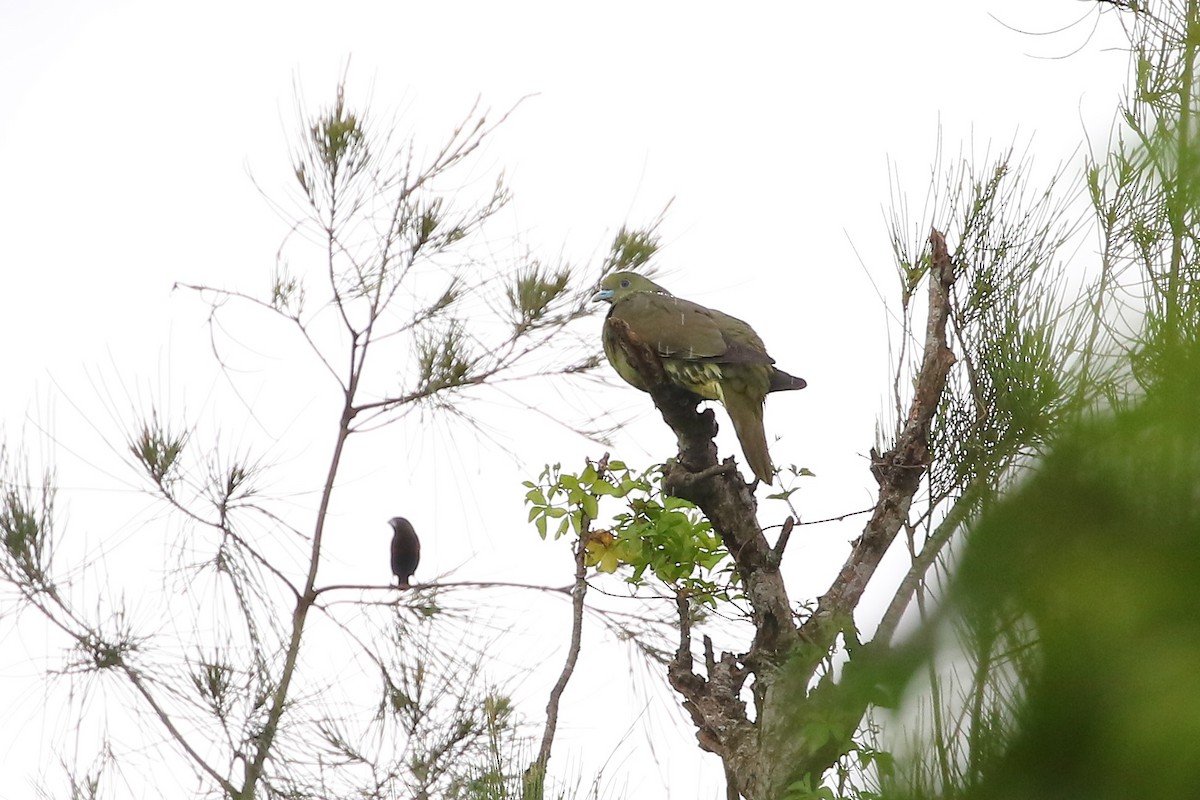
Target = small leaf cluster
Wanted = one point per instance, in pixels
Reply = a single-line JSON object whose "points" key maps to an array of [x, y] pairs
{"points": [[338, 140], [656, 533], [631, 249], [23, 536], [26, 527], [213, 680], [672, 539], [444, 360], [533, 293], [157, 449], [574, 500]]}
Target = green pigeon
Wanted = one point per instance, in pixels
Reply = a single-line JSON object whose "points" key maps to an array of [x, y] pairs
{"points": [[706, 352]]}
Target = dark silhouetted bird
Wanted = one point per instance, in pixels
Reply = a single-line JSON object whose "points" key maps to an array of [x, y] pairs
{"points": [[705, 351], [406, 550]]}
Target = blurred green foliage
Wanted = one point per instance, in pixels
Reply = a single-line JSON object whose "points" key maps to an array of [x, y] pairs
{"points": [[1100, 550]]}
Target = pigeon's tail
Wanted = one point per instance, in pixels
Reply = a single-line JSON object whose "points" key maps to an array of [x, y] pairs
{"points": [[782, 382], [747, 417]]}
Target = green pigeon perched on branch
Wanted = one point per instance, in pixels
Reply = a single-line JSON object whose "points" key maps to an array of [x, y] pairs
{"points": [[704, 351]]}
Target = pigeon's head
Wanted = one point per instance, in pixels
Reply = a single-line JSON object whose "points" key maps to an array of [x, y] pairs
{"points": [[619, 285]]}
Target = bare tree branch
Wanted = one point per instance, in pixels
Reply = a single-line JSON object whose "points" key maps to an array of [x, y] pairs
{"points": [[900, 469]]}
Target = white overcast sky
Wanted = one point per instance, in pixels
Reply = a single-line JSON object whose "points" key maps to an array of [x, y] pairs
{"points": [[129, 131]]}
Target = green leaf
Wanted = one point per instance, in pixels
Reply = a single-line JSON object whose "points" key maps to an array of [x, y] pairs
{"points": [[591, 507]]}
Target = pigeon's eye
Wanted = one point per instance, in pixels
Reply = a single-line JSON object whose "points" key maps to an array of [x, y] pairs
{"points": [[624, 283]]}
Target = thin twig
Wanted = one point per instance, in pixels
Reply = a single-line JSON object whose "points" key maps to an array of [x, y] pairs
{"points": [[448, 585], [535, 775]]}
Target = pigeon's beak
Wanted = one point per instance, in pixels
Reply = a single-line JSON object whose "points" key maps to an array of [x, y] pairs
{"points": [[603, 296]]}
